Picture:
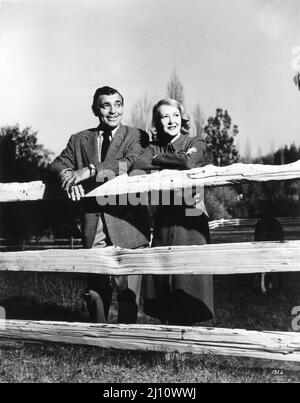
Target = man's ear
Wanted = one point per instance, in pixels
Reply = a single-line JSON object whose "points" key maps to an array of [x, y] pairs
{"points": [[95, 110]]}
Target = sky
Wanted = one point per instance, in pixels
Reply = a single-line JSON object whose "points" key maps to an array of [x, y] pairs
{"points": [[232, 54]]}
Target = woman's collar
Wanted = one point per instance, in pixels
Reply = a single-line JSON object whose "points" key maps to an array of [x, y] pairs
{"points": [[177, 142], [174, 142]]}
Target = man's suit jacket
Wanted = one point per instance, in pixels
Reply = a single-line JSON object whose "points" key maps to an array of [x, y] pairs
{"points": [[127, 226]]}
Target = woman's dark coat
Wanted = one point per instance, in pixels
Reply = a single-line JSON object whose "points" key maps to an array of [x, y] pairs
{"points": [[178, 299]]}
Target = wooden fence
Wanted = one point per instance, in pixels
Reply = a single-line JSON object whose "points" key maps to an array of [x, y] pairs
{"points": [[249, 257], [242, 230], [12, 244], [221, 231]]}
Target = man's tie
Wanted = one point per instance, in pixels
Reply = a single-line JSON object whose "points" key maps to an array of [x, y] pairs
{"points": [[105, 143]]}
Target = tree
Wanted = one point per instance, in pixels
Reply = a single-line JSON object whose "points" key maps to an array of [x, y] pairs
{"points": [[175, 88], [284, 155], [199, 120], [247, 153], [297, 80], [141, 113], [287, 155], [22, 158], [258, 159], [278, 198], [220, 139], [222, 202]]}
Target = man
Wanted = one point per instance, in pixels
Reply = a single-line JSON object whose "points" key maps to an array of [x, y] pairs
{"points": [[91, 156]]}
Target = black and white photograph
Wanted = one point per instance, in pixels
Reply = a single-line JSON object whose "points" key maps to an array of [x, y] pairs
{"points": [[149, 194]]}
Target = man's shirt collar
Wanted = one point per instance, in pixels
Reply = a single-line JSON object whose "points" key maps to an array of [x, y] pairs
{"points": [[113, 132]]}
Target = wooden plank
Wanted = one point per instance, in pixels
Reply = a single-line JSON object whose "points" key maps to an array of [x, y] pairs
{"points": [[224, 258], [196, 340], [209, 175], [14, 191], [164, 180], [250, 222]]}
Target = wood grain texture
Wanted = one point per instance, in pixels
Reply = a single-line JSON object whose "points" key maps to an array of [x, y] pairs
{"points": [[196, 340], [209, 175], [224, 258], [250, 222], [14, 191], [165, 180]]}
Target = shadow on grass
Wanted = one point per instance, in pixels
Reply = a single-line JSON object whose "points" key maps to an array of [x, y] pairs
{"points": [[240, 305], [29, 308], [237, 303]]}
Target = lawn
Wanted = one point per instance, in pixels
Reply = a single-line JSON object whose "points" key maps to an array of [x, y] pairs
{"points": [[58, 297]]}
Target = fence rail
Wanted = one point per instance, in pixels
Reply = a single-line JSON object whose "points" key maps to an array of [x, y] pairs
{"points": [[209, 259], [281, 346], [250, 222], [221, 231], [165, 180], [253, 257], [11, 244]]}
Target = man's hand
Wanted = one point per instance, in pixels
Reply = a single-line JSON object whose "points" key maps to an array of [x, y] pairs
{"points": [[72, 178], [75, 192], [70, 182]]}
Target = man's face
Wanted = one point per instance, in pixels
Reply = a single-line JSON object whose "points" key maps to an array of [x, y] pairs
{"points": [[110, 110]]}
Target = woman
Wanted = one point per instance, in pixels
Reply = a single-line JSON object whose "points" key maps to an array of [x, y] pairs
{"points": [[176, 299]]}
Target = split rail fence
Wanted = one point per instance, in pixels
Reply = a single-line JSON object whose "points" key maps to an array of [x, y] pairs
{"points": [[246, 257]]}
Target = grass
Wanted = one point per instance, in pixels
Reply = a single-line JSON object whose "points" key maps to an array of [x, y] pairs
{"points": [[58, 297], [53, 363]]}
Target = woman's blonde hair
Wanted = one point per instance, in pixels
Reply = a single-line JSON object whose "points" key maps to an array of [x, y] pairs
{"points": [[156, 123]]}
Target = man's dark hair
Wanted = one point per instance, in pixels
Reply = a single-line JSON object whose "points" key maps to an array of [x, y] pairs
{"points": [[103, 91]]}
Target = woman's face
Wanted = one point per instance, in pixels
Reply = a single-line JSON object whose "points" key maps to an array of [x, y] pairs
{"points": [[170, 119]]}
